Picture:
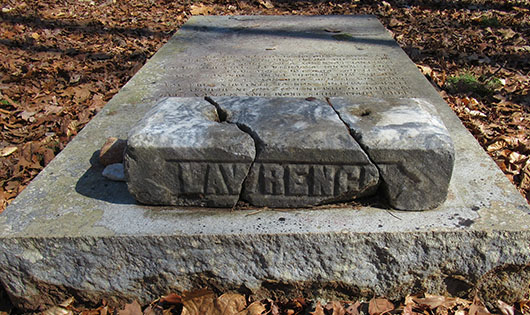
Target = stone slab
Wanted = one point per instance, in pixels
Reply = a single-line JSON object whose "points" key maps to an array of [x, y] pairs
{"points": [[410, 146], [73, 232], [181, 154]]}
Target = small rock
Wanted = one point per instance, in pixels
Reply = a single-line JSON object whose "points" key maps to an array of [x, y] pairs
{"points": [[112, 151], [114, 172]]}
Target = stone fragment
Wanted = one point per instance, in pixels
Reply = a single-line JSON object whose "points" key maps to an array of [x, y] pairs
{"points": [[305, 155], [114, 172], [112, 151], [181, 154], [409, 144]]}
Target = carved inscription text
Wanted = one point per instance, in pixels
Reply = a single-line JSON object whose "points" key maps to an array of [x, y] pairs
{"points": [[214, 178], [287, 76]]}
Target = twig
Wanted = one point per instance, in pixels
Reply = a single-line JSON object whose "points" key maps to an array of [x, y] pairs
{"points": [[494, 73]]}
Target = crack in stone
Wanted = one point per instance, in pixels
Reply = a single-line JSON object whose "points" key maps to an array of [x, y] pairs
{"points": [[356, 137], [258, 143]]}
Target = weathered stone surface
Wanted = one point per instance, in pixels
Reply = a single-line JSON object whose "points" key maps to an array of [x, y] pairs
{"points": [[181, 154], [73, 232], [411, 147], [305, 155]]}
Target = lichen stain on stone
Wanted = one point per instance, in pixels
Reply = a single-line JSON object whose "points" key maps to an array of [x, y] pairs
{"points": [[508, 211], [32, 255]]}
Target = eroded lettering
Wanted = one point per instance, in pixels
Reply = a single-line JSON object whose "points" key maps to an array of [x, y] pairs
{"points": [[289, 76]]}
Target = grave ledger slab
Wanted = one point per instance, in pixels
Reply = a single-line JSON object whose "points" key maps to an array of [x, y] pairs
{"points": [[73, 232]]}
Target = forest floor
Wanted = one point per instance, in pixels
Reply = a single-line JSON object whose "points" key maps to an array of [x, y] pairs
{"points": [[61, 61]]}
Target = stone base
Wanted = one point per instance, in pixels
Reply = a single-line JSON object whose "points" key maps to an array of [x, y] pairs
{"points": [[73, 232]]}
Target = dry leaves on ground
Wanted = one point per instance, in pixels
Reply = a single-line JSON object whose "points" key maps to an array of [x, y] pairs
{"points": [[205, 302]]}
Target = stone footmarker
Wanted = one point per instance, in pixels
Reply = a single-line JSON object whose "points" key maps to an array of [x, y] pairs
{"points": [[305, 155], [410, 146], [181, 154]]}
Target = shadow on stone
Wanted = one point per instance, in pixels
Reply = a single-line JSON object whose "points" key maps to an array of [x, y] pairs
{"points": [[93, 185]]}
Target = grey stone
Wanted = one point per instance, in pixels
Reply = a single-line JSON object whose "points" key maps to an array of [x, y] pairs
{"points": [[73, 232], [305, 155], [410, 146], [114, 172], [181, 154]]}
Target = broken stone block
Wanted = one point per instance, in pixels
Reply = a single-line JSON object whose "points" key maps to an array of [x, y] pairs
{"points": [[409, 144], [181, 154], [304, 153]]}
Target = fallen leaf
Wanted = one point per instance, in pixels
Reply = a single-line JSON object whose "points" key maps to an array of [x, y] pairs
{"points": [[230, 303], [394, 22], [266, 3], [27, 115], [516, 158], [354, 308], [133, 308], [255, 308], [35, 36], [477, 308], [379, 306], [200, 9], [198, 302], [426, 70], [68, 302], [336, 307], [318, 310], [171, 298], [8, 150], [57, 310], [496, 146], [507, 33], [505, 308], [82, 93]]}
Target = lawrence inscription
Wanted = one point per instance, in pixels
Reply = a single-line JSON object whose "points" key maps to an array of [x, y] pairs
{"points": [[270, 178]]}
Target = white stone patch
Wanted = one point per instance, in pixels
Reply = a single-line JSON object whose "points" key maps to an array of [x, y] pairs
{"points": [[114, 172]]}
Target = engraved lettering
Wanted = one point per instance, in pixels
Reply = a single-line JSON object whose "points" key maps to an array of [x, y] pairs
{"points": [[191, 176], [294, 76], [271, 179], [233, 175], [297, 183], [323, 177], [347, 178], [215, 183]]}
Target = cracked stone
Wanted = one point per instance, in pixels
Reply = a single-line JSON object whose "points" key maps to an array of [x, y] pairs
{"points": [[289, 152], [409, 144], [181, 154], [305, 155]]}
